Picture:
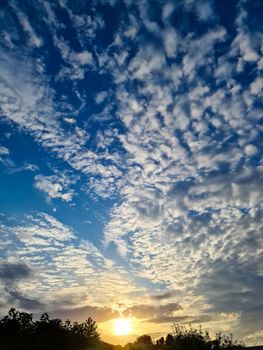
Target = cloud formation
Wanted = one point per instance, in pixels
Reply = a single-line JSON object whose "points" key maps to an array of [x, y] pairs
{"points": [[157, 117], [14, 271], [60, 269], [54, 186]]}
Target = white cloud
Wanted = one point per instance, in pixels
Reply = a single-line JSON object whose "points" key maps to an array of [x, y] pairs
{"points": [[86, 26], [256, 86], [28, 101], [243, 41], [190, 199], [54, 186], [76, 63], [24, 167], [146, 62], [63, 269], [69, 120], [101, 96], [168, 9], [204, 10], [83, 58], [251, 150], [5, 159], [170, 42], [33, 39], [4, 151]]}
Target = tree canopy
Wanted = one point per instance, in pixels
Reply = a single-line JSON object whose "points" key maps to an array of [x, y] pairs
{"points": [[182, 338], [18, 331]]}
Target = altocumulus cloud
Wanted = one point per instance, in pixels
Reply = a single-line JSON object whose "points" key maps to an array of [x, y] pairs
{"points": [[54, 186], [74, 270], [156, 117], [14, 271]]}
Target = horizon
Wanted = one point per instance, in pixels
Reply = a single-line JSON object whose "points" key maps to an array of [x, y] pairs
{"points": [[21, 323], [131, 163]]}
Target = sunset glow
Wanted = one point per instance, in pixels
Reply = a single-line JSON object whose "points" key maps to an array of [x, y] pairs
{"points": [[122, 326]]}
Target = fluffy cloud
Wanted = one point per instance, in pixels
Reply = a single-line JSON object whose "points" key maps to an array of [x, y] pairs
{"points": [[4, 157], [251, 150], [23, 301], [163, 296], [54, 186], [33, 108], [178, 143], [14, 271], [44, 259], [100, 314], [4, 150], [191, 197]]}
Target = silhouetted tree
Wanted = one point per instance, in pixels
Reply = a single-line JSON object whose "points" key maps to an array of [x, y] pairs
{"points": [[18, 331], [169, 341], [160, 343], [144, 342], [226, 342], [197, 339], [129, 346], [186, 339], [194, 339]]}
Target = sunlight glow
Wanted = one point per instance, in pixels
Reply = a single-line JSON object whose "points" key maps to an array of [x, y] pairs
{"points": [[122, 326]]}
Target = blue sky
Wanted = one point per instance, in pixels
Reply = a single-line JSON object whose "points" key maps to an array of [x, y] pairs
{"points": [[131, 162]]}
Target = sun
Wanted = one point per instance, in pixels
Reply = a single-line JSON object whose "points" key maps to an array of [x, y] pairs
{"points": [[122, 326]]}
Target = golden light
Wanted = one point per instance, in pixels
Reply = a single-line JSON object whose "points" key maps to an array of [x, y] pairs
{"points": [[122, 326]]}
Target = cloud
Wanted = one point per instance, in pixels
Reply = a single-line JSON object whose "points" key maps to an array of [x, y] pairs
{"points": [[4, 157], [77, 63], [168, 9], [182, 319], [251, 150], [170, 42], [24, 167], [4, 150], [169, 319], [23, 301], [86, 26], [54, 186], [150, 311], [14, 271], [10, 165], [12, 274], [256, 86], [101, 96], [68, 273], [99, 314], [205, 10], [32, 38], [191, 194], [177, 144], [162, 296], [34, 110], [83, 58], [69, 120]]}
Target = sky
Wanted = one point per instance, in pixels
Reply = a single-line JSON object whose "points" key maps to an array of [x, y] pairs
{"points": [[131, 162]]}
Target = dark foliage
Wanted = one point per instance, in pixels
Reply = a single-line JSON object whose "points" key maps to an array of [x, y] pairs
{"points": [[18, 331], [186, 339], [196, 339]]}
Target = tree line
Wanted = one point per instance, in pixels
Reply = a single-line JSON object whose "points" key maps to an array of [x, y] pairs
{"points": [[183, 338], [18, 331]]}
